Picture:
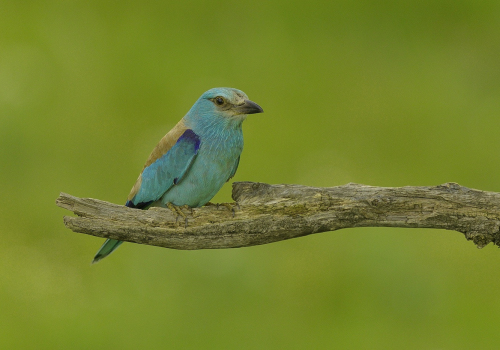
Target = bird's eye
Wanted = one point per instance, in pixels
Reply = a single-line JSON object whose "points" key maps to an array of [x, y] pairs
{"points": [[219, 101]]}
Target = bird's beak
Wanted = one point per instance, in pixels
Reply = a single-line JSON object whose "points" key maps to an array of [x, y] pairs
{"points": [[248, 107]]}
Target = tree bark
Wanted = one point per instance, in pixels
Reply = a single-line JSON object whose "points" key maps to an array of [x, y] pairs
{"points": [[270, 213]]}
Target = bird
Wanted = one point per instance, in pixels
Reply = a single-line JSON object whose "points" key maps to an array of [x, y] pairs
{"points": [[195, 159]]}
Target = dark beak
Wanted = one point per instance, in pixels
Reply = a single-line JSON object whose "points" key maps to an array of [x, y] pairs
{"points": [[248, 107]]}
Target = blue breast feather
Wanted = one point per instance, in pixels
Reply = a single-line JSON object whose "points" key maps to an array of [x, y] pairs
{"points": [[167, 170]]}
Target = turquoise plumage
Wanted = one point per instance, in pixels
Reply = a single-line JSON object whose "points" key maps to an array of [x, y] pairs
{"points": [[192, 161]]}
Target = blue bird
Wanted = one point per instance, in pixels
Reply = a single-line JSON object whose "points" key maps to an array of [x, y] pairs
{"points": [[192, 161]]}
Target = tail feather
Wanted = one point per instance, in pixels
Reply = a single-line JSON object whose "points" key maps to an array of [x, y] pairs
{"points": [[111, 244], [107, 248]]}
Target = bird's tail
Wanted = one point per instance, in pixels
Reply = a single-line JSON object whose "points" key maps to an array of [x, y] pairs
{"points": [[107, 248]]}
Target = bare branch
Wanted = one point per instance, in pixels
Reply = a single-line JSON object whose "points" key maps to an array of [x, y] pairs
{"points": [[271, 213]]}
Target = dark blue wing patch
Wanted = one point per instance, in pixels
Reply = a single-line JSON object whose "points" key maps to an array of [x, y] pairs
{"points": [[192, 138], [141, 205]]}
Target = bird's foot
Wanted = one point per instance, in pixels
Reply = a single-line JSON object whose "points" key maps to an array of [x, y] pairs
{"points": [[178, 212], [230, 206]]}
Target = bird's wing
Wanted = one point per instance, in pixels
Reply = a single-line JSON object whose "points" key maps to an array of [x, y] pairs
{"points": [[234, 169], [166, 166]]}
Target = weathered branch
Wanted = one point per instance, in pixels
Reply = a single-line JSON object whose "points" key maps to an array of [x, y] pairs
{"points": [[271, 213]]}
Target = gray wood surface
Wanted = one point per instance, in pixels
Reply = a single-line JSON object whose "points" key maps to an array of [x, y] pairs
{"points": [[271, 213]]}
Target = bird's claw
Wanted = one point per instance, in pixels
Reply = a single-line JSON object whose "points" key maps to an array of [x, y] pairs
{"points": [[229, 206], [178, 212]]}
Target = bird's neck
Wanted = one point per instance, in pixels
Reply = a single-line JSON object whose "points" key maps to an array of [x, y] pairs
{"points": [[219, 133], [215, 127]]}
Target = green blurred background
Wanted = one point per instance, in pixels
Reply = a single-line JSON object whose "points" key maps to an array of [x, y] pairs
{"points": [[386, 93]]}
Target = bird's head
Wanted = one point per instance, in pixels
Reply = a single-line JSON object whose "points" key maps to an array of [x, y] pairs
{"points": [[229, 103]]}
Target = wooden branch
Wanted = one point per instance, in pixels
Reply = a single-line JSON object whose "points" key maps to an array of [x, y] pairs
{"points": [[271, 213]]}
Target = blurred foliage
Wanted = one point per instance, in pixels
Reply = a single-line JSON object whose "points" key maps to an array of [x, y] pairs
{"points": [[385, 93]]}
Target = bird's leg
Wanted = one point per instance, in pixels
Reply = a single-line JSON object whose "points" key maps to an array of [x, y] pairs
{"points": [[229, 206], [177, 210], [210, 204], [187, 207]]}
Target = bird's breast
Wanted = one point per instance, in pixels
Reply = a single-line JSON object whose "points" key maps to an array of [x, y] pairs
{"points": [[214, 164]]}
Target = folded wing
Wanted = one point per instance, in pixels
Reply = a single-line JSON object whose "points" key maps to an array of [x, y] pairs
{"points": [[166, 170]]}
